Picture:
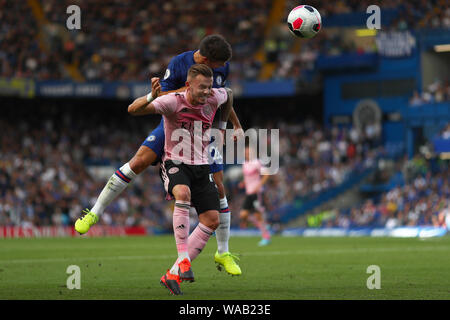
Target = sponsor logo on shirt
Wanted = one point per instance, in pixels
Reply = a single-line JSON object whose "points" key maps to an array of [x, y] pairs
{"points": [[167, 74], [219, 80]]}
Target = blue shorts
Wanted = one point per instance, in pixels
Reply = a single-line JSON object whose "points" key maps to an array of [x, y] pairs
{"points": [[217, 165], [155, 141]]}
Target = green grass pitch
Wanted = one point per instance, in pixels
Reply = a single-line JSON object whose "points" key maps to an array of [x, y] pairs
{"points": [[291, 268]]}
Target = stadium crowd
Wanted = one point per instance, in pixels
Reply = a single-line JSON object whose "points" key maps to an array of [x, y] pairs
{"points": [[123, 42], [438, 91], [120, 41], [296, 59], [423, 199], [313, 159], [47, 159], [44, 160]]}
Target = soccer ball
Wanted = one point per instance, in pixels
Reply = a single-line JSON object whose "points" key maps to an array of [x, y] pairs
{"points": [[304, 21]]}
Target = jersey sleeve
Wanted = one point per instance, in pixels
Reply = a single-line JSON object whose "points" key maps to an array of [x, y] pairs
{"points": [[221, 96], [165, 105], [172, 78]]}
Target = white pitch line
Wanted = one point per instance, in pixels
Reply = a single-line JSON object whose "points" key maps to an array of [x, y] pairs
{"points": [[262, 253]]}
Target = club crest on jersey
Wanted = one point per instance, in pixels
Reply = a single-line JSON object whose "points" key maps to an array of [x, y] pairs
{"points": [[151, 138], [219, 80], [173, 170], [167, 74]]}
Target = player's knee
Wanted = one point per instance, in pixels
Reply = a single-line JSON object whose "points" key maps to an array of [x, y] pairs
{"points": [[138, 164], [210, 219], [141, 161], [182, 193]]}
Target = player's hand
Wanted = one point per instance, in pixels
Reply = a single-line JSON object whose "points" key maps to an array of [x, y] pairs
{"points": [[241, 185], [156, 87], [238, 133]]}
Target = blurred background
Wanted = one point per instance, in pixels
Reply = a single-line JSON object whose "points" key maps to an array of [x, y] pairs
{"points": [[364, 115]]}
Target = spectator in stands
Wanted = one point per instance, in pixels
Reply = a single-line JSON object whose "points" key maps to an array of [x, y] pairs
{"points": [[415, 100], [423, 201]]}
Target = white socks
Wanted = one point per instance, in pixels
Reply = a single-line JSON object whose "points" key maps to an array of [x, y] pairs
{"points": [[223, 231], [115, 185]]}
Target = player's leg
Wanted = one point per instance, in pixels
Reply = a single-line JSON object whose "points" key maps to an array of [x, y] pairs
{"points": [[208, 222], [223, 257], [149, 152], [205, 199], [258, 220], [243, 217], [182, 194], [223, 232], [177, 183], [247, 207]]}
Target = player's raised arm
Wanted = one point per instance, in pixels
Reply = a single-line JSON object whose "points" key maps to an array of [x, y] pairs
{"points": [[182, 89], [142, 105], [226, 109], [238, 131]]}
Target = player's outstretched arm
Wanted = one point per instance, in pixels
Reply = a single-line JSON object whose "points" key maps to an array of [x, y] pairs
{"points": [[182, 89], [141, 105], [234, 119]]}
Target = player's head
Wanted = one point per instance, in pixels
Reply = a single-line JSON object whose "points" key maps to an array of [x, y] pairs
{"points": [[199, 83], [215, 51]]}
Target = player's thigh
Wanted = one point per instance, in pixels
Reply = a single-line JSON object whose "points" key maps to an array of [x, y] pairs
{"points": [[143, 158], [216, 168], [153, 146], [243, 214], [258, 215], [173, 175], [218, 180], [204, 192]]}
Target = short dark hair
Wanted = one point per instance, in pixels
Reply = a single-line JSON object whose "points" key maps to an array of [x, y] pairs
{"points": [[200, 68], [215, 48]]}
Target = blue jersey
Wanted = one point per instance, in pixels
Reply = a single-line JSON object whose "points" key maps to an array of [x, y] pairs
{"points": [[175, 78], [177, 70]]}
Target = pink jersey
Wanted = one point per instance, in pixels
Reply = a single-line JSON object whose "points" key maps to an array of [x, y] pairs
{"points": [[252, 175], [189, 145]]}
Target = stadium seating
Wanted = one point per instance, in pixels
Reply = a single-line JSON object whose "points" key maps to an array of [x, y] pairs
{"points": [[120, 41]]}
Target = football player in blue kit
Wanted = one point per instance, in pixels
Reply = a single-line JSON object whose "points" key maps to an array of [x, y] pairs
{"points": [[215, 52]]}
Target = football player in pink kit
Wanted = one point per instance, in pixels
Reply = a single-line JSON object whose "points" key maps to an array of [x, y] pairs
{"points": [[254, 180], [188, 116]]}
